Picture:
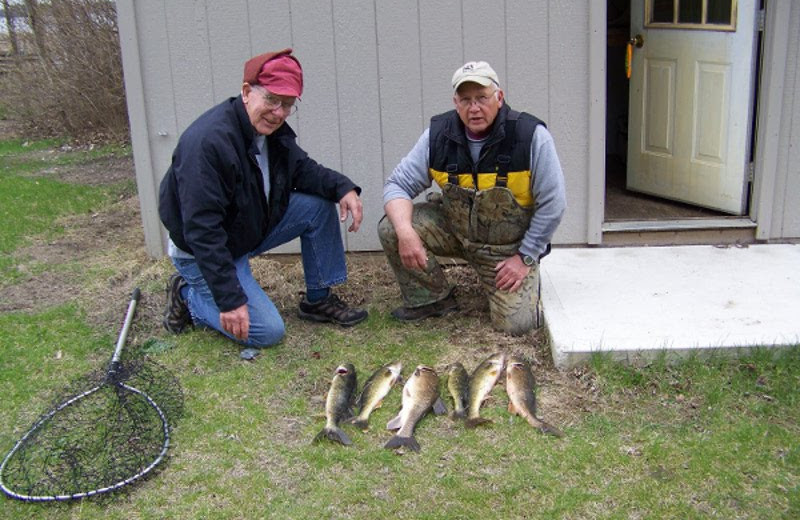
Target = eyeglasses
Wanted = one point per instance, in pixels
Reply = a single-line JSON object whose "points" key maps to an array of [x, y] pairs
{"points": [[482, 101], [272, 102]]}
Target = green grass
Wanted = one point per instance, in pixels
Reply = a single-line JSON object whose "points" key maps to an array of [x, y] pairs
{"points": [[31, 205], [706, 438]]}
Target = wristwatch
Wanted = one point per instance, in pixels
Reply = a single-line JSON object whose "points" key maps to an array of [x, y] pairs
{"points": [[526, 259]]}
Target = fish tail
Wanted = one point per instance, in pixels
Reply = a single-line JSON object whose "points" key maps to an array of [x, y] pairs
{"points": [[472, 422], [333, 434], [458, 414], [545, 427], [362, 424], [398, 441]]}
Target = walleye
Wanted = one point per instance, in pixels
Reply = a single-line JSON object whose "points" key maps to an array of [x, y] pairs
{"points": [[458, 386], [520, 387], [420, 394], [337, 404], [481, 382], [375, 389]]}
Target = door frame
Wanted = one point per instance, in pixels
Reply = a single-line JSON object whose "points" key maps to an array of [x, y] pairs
{"points": [[768, 106]]}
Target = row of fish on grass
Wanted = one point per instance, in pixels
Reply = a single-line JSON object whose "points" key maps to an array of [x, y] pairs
{"points": [[421, 395]]}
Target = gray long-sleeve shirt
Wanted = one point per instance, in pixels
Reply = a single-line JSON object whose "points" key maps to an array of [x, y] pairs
{"points": [[410, 178]]}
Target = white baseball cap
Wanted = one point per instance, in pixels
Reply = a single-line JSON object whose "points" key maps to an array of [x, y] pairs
{"points": [[478, 72]]}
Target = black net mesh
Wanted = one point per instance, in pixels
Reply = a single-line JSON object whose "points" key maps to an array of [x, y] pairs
{"points": [[104, 432]]}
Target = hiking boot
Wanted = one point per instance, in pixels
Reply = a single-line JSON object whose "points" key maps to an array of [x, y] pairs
{"points": [[331, 309], [431, 310], [176, 315]]}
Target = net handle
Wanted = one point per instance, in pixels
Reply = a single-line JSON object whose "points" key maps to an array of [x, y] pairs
{"points": [[123, 335]]}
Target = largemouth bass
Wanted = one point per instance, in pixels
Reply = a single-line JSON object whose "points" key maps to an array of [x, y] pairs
{"points": [[338, 404], [458, 386], [420, 394], [481, 382], [375, 389], [521, 390]]}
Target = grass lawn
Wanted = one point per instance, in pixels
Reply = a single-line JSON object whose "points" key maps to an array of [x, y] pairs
{"points": [[709, 438]]}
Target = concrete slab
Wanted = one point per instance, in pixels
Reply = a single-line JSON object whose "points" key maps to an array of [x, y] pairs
{"points": [[638, 301]]}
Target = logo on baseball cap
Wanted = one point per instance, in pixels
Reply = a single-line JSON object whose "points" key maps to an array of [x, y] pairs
{"points": [[478, 72]]}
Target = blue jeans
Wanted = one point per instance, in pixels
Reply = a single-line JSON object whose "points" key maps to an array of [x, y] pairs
{"points": [[316, 222]]}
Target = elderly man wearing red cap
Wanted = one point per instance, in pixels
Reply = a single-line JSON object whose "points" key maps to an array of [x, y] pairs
{"points": [[240, 185], [502, 198]]}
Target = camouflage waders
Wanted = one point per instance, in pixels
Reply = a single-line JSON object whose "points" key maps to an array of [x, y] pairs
{"points": [[483, 228]]}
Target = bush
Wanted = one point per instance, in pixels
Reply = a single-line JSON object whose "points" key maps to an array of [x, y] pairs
{"points": [[64, 77]]}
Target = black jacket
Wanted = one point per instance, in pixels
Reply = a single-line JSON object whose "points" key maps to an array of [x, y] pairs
{"points": [[211, 199]]}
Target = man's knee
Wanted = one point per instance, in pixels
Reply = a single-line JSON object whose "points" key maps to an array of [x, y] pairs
{"points": [[266, 334], [386, 233]]}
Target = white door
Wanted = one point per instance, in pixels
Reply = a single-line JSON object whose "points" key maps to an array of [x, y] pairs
{"points": [[690, 100]]}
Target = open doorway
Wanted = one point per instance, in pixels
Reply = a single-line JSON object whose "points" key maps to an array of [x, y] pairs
{"points": [[621, 203]]}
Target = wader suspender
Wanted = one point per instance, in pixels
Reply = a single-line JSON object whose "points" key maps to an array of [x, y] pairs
{"points": [[506, 147], [503, 155]]}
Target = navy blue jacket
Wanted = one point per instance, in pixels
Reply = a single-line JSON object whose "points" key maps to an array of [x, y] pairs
{"points": [[211, 199]]}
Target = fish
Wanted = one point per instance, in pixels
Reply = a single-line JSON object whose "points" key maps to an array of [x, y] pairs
{"points": [[375, 389], [338, 404], [458, 386], [420, 395], [520, 387], [481, 382]]}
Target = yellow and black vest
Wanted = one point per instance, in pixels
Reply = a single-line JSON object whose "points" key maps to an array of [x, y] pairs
{"points": [[504, 161]]}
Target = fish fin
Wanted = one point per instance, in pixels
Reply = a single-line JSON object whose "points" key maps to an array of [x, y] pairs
{"points": [[397, 442], [512, 409], [472, 422], [333, 434], [395, 423], [362, 424], [545, 427], [438, 407]]}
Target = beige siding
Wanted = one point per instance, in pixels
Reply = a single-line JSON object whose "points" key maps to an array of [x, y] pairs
{"points": [[376, 71]]}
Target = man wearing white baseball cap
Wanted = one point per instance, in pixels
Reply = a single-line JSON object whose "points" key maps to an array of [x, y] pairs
{"points": [[502, 198]]}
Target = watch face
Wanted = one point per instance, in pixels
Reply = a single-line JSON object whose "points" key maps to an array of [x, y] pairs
{"points": [[528, 260]]}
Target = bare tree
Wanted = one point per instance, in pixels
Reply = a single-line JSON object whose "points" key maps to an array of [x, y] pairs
{"points": [[76, 79]]}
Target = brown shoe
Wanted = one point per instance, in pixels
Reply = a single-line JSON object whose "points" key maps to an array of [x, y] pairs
{"points": [[439, 308], [331, 309]]}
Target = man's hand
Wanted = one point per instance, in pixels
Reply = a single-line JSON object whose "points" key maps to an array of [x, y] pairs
{"points": [[412, 251], [510, 273], [351, 203], [236, 322]]}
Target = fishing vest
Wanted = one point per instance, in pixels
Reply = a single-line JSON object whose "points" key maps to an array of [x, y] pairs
{"points": [[488, 202], [504, 161]]}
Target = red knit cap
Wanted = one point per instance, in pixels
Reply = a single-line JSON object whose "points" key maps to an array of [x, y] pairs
{"points": [[279, 72]]}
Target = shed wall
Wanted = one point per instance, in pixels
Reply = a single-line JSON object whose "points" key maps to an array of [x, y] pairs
{"points": [[375, 72]]}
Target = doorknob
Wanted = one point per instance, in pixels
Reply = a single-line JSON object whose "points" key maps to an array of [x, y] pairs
{"points": [[638, 41]]}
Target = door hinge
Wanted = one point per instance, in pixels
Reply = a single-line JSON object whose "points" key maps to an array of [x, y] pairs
{"points": [[751, 171], [761, 20]]}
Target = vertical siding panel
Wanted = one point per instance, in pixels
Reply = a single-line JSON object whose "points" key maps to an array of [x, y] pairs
{"points": [[159, 94], [270, 25], [527, 78], [190, 60], [359, 115], [788, 174], [400, 80], [569, 108], [229, 46], [484, 34], [442, 52], [318, 117]]}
